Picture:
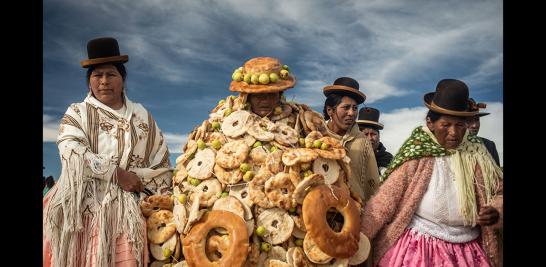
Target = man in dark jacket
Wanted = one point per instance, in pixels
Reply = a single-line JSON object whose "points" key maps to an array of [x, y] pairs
{"points": [[368, 122], [473, 124]]}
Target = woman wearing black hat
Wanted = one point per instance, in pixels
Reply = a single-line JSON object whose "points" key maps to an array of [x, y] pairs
{"points": [[473, 124], [442, 202], [111, 149], [340, 111], [368, 123]]}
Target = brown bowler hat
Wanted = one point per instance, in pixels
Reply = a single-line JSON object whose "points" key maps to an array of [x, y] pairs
{"points": [[369, 117], [450, 98], [103, 50], [345, 86]]}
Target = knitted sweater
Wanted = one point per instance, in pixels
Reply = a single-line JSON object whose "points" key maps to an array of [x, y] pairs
{"points": [[388, 213]]}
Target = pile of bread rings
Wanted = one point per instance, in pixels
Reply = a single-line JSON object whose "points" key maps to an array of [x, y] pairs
{"points": [[252, 191]]}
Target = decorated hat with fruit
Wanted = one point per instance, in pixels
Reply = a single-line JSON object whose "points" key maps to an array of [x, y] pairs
{"points": [[345, 86], [262, 75]]}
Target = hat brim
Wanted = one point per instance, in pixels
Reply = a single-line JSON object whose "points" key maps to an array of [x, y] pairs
{"points": [[367, 122], [279, 86], [430, 105], [103, 60], [481, 114], [358, 96]]}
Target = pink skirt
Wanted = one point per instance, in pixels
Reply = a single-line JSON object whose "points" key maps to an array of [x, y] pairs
{"points": [[412, 249], [124, 256]]}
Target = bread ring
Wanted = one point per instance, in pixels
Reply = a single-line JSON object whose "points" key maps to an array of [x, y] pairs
{"points": [[328, 168], [290, 121], [231, 204], [180, 217], [201, 166], [195, 242], [157, 250], [363, 252], [258, 155], [232, 176], [181, 174], [256, 189], [278, 225], [241, 193], [285, 135], [217, 244], [211, 136], [313, 252], [306, 186], [154, 203], [279, 190], [210, 190], [298, 233], [273, 161], [298, 155], [298, 258], [315, 121], [191, 148], [160, 226], [261, 128], [232, 154], [286, 110], [315, 205], [334, 151], [311, 137], [235, 124]]}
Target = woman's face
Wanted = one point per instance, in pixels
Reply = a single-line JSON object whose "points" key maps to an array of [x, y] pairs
{"points": [[263, 104], [448, 130], [106, 84], [344, 114]]}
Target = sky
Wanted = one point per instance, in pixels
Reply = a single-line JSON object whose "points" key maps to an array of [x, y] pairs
{"points": [[182, 54]]}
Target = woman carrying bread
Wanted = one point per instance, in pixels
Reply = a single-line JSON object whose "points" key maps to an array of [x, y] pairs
{"points": [[110, 149], [340, 112], [442, 201]]}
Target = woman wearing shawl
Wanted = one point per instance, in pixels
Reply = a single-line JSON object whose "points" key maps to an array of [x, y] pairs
{"points": [[442, 202], [111, 149]]}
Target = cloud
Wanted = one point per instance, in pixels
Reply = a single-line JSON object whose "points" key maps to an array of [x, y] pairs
{"points": [[175, 141], [50, 128], [400, 122]]}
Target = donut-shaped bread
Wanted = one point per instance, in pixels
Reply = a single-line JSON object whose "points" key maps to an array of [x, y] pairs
{"points": [[329, 168], [285, 135], [194, 243], [298, 155], [155, 203], [315, 205], [232, 154], [279, 190], [235, 124], [160, 226], [201, 166], [334, 150], [261, 128]]}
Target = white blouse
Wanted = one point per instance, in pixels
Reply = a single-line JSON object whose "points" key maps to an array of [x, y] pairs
{"points": [[438, 213]]}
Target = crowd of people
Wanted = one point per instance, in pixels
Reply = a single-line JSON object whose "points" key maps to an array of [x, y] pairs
{"points": [[437, 201]]}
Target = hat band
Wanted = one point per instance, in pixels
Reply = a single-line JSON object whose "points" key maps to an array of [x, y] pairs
{"points": [[439, 109]]}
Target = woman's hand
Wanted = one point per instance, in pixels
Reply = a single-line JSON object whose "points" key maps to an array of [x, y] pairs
{"points": [[488, 216], [129, 181]]}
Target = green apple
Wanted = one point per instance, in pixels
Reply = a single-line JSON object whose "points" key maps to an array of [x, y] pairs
{"points": [[216, 125], [239, 69], [246, 78], [285, 67], [244, 167], [263, 78], [308, 144], [273, 149], [167, 252], [257, 144], [248, 176], [292, 210], [299, 242], [324, 146], [237, 76], [224, 194], [307, 173], [302, 142], [227, 112], [216, 144], [277, 110], [283, 74], [273, 77], [260, 231], [221, 102], [175, 172], [317, 143], [247, 106], [195, 182], [265, 247], [305, 166], [254, 79], [201, 144], [182, 198], [232, 97]]}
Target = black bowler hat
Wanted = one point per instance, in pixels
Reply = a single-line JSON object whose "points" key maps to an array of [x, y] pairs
{"points": [[103, 50], [345, 86], [450, 98], [369, 117], [476, 107]]}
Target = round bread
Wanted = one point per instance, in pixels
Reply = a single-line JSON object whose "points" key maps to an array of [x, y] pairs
{"points": [[231, 204], [232, 154], [194, 243], [277, 253], [157, 250], [298, 155], [180, 217], [240, 191], [160, 226], [306, 185], [315, 205], [363, 251], [329, 168], [201, 166], [313, 252], [273, 162], [231, 176], [298, 258], [256, 189], [279, 190], [278, 225], [334, 151], [261, 128], [311, 137], [210, 190], [154, 203], [235, 124], [285, 135], [286, 110], [258, 155]]}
